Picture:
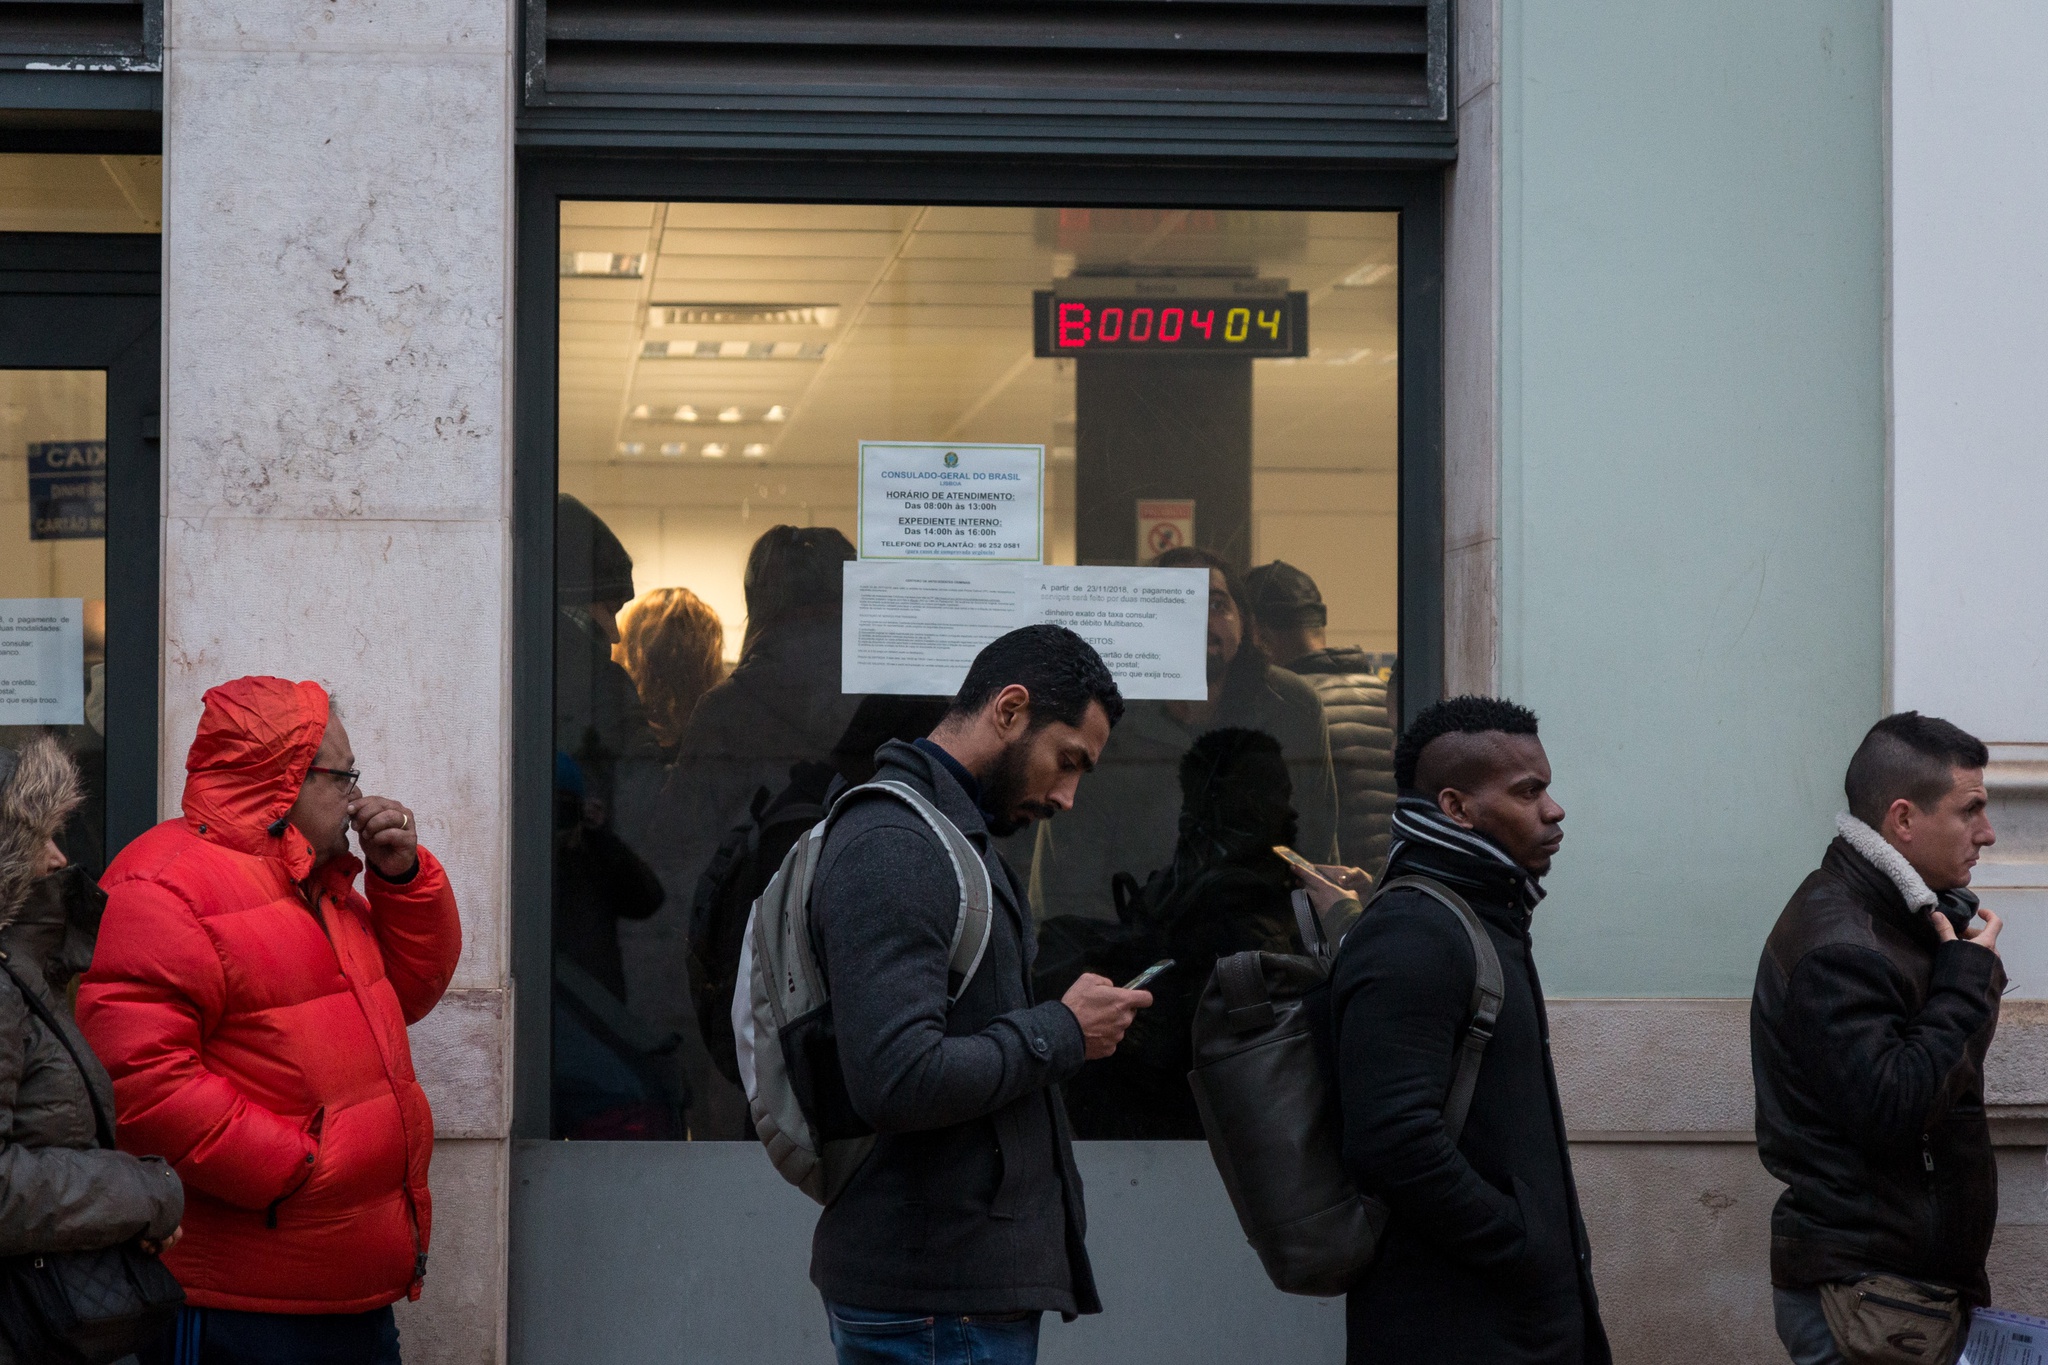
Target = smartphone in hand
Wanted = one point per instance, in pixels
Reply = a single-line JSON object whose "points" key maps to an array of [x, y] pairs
{"points": [[1148, 976]]}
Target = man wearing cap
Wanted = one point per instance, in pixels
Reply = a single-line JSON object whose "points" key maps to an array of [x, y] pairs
{"points": [[1289, 621], [251, 1005]]}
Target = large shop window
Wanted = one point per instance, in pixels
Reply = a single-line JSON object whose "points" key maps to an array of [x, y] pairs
{"points": [[787, 427]]}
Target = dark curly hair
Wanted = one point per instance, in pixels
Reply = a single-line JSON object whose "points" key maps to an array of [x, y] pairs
{"points": [[1457, 716], [1060, 670]]}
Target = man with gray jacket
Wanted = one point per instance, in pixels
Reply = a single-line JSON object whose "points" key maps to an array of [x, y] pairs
{"points": [[965, 1223]]}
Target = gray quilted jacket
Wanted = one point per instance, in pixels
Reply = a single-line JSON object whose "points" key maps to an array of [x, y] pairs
{"points": [[59, 1191], [1361, 750]]}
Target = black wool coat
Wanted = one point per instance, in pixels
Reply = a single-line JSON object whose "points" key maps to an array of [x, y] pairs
{"points": [[1485, 1261], [970, 1201]]}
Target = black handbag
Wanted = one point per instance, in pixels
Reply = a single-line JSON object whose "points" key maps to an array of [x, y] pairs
{"points": [[82, 1307]]}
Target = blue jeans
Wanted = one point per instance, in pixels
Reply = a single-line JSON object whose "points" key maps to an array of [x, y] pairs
{"points": [[870, 1336], [1804, 1328], [225, 1336]]}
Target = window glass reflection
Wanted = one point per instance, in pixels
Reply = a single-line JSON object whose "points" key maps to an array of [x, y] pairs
{"points": [[720, 365], [53, 611]]}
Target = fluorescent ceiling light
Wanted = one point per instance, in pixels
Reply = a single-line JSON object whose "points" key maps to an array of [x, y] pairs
{"points": [[1367, 276], [602, 265], [713, 450], [775, 414], [672, 448], [729, 415], [685, 413], [632, 448], [641, 413], [755, 451], [732, 350], [743, 315]]}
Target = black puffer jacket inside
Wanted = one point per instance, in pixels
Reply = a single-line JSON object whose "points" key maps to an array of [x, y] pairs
{"points": [[1361, 750], [1867, 1040]]}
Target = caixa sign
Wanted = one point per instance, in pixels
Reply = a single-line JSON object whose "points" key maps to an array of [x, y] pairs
{"points": [[67, 490]]}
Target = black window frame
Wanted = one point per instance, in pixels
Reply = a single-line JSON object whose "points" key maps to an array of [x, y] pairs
{"points": [[546, 178], [92, 301]]}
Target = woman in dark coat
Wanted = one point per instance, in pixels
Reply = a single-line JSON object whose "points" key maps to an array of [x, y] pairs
{"points": [[59, 1189]]}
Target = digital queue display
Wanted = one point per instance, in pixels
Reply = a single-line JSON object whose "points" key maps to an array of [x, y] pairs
{"points": [[1271, 326]]}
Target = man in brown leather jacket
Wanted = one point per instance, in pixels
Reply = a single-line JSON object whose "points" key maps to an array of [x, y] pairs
{"points": [[1875, 1002]]}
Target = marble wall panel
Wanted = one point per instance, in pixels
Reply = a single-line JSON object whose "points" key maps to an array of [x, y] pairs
{"points": [[459, 1052], [335, 293], [1681, 1239], [405, 623], [460, 1317], [1472, 365], [307, 25]]}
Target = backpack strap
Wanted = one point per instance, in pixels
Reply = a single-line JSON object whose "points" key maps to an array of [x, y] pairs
{"points": [[977, 895], [1487, 994]]}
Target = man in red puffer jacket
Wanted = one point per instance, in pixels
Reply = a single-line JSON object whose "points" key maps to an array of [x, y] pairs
{"points": [[251, 1006]]}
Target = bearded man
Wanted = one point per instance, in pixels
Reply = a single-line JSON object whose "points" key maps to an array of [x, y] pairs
{"points": [[965, 1223]]}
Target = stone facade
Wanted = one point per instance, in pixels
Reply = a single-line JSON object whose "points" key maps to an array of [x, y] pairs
{"points": [[337, 251], [338, 188]]}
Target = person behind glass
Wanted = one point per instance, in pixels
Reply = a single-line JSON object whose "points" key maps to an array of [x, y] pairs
{"points": [[965, 1223], [1127, 820], [1485, 1258], [1289, 621], [599, 718], [1226, 891], [780, 706], [1876, 999], [59, 1189], [251, 1005], [671, 642]]}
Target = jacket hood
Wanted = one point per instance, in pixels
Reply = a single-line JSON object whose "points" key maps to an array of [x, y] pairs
{"points": [[257, 737], [38, 791]]}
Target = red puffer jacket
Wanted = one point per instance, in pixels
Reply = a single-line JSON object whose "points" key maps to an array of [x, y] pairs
{"points": [[252, 1014]]}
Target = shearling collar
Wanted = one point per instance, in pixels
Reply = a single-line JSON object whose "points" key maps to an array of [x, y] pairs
{"points": [[1887, 860]]}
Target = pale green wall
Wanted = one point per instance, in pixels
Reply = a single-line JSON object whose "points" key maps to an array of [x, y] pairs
{"points": [[1692, 460]]}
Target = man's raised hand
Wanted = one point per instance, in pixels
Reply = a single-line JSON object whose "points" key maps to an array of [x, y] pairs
{"points": [[1105, 1011], [390, 837]]}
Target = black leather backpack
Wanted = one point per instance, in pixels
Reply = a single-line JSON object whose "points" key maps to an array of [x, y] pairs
{"points": [[1265, 1085]]}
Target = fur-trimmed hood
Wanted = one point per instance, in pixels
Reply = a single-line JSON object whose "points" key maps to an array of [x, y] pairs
{"points": [[1888, 860], [36, 798]]}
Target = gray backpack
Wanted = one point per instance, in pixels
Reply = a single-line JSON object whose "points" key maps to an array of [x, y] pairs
{"points": [[1266, 1090], [782, 1011]]}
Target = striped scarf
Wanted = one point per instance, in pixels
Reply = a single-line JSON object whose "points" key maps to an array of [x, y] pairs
{"points": [[1426, 838]]}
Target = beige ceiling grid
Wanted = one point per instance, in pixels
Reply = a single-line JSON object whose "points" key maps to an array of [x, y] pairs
{"points": [[721, 363]]}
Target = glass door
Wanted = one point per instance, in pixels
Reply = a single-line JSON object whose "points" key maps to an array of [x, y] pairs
{"points": [[79, 507], [53, 581]]}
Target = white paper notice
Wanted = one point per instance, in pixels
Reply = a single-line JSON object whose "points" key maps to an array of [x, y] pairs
{"points": [[42, 661], [2001, 1338], [913, 629], [927, 500]]}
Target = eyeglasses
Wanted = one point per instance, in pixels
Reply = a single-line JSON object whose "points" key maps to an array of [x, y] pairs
{"points": [[348, 777]]}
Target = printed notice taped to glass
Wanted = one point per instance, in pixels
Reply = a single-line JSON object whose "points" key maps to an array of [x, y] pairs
{"points": [[2001, 1338], [912, 629], [42, 661], [929, 500]]}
